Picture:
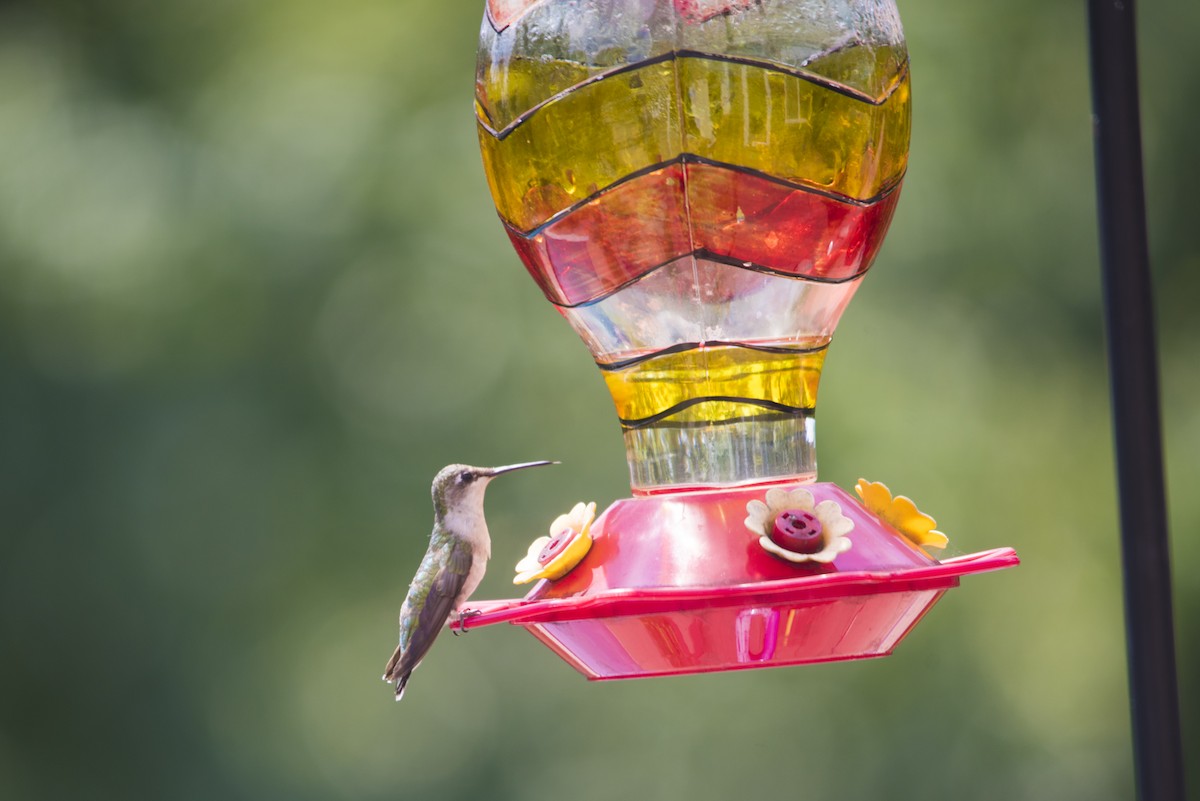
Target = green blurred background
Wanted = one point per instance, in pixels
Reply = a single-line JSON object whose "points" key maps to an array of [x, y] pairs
{"points": [[253, 295]]}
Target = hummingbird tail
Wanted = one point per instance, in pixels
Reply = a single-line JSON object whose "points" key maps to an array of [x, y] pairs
{"points": [[392, 673], [389, 672]]}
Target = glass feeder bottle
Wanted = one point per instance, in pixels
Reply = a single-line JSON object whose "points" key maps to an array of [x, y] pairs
{"points": [[699, 187]]}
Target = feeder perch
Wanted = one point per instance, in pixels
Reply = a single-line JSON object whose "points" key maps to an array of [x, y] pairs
{"points": [[699, 187]]}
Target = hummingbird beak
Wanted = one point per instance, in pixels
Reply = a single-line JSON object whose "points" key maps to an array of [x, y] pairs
{"points": [[492, 472]]}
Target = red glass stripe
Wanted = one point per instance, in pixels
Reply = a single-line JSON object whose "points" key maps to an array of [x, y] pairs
{"points": [[642, 223]]}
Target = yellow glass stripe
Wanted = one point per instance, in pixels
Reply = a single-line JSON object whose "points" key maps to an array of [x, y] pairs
{"points": [[742, 114], [727, 373]]}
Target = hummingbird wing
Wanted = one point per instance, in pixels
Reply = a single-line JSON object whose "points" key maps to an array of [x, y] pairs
{"points": [[418, 631]]}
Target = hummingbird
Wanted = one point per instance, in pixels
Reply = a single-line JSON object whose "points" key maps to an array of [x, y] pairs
{"points": [[454, 564]]}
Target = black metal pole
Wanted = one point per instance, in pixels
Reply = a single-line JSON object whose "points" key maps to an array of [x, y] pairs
{"points": [[1133, 365]]}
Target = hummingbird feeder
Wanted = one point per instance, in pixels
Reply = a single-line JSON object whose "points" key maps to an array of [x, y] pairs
{"points": [[699, 187]]}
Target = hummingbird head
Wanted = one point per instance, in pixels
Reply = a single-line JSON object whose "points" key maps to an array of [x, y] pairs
{"points": [[461, 486]]}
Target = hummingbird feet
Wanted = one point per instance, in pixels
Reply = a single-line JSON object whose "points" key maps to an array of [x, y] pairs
{"points": [[460, 617]]}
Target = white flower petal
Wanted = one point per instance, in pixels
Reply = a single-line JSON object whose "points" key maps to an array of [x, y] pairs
{"points": [[530, 562], [783, 553], [824, 556], [579, 514], [757, 508], [527, 564], [841, 527], [777, 499], [833, 547], [578, 519], [771, 547], [799, 499], [757, 516], [833, 522], [831, 508], [526, 577]]}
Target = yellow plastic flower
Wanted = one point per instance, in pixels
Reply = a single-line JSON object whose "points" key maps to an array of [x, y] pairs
{"points": [[901, 514], [569, 541], [832, 526]]}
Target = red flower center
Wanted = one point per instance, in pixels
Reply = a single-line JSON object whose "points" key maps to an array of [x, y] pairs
{"points": [[798, 531], [557, 544]]}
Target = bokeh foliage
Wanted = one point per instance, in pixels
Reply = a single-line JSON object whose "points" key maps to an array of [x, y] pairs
{"points": [[253, 294]]}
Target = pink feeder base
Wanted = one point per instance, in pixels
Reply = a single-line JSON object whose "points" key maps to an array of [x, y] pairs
{"points": [[677, 584]]}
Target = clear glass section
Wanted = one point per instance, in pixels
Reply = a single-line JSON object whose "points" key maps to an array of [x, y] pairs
{"points": [[699, 300], [749, 451], [858, 44]]}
